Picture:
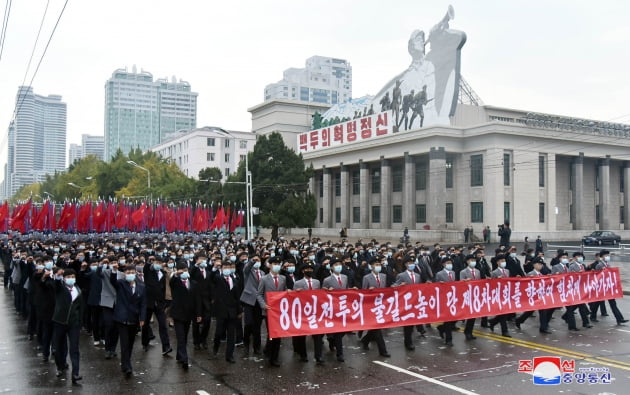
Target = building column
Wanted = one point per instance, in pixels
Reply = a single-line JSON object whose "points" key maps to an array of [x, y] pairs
{"points": [[436, 197], [409, 192], [578, 192], [605, 219], [386, 194], [364, 197], [626, 194], [344, 197], [551, 192], [327, 198]]}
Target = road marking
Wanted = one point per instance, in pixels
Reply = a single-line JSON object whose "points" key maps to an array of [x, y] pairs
{"points": [[623, 330], [560, 351], [426, 378], [202, 392]]}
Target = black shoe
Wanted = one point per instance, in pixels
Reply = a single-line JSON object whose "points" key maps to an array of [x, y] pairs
{"points": [[491, 326], [622, 321], [109, 355], [319, 361], [230, 360], [340, 358], [274, 363], [76, 378], [484, 325], [185, 365], [441, 330], [470, 336], [385, 354], [449, 343], [545, 331], [604, 315], [517, 325], [304, 358], [366, 345], [410, 347], [167, 351], [594, 320], [151, 337], [60, 372], [127, 374], [564, 317], [505, 334], [145, 348], [587, 326]]}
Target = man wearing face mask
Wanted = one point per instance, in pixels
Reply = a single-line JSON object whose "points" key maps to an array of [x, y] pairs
{"points": [[543, 314], [202, 275], [155, 279], [500, 272], [514, 264], [308, 283], [604, 264], [408, 277], [563, 267], [374, 280], [575, 267], [271, 282], [45, 303], [470, 273], [336, 280], [446, 275], [289, 272], [227, 308], [252, 274], [186, 307]]}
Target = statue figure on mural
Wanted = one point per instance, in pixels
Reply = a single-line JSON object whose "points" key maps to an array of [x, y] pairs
{"points": [[435, 72], [385, 103], [406, 105]]}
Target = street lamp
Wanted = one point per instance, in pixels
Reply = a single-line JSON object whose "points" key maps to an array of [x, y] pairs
{"points": [[49, 194], [134, 164], [72, 184]]}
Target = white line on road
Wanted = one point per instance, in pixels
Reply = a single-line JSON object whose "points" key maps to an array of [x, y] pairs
{"points": [[202, 392], [623, 330], [426, 378]]}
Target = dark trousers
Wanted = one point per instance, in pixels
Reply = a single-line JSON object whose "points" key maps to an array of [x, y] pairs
{"points": [[543, 318], [500, 319], [273, 346], [601, 305], [337, 341], [110, 329], [200, 331], [470, 324], [447, 328], [67, 336], [299, 345], [87, 317], [615, 310], [97, 323], [584, 313], [7, 276], [253, 322], [377, 336], [32, 321], [226, 327], [47, 337], [181, 332], [569, 317], [127, 335], [161, 319], [408, 335]]}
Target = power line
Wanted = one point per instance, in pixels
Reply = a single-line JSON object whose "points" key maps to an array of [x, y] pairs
{"points": [[5, 25], [41, 24], [19, 106]]}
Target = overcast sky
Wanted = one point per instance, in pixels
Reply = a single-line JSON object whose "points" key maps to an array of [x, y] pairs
{"points": [[560, 57]]}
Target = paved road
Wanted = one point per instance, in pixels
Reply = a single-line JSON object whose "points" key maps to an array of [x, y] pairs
{"points": [[486, 365]]}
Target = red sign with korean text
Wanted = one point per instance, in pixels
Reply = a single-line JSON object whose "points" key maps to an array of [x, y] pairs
{"points": [[299, 313], [354, 130]]}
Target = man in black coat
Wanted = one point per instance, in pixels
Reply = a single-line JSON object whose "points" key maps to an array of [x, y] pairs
{"points": [[155, 282], [227, 307], [201, 274], [44, 298], [186, 307]]}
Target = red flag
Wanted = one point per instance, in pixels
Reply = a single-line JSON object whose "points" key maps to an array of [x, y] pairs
{"points": [[4, 217], [99, 217], [218, 219], [83, 218], [233, 221], [138, 215], [40, 219], [20, 213], [66, 217]]}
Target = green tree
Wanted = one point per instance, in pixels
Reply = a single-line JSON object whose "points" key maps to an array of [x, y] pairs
{"points": [[280, 185], [209, 186], [26, 192]]}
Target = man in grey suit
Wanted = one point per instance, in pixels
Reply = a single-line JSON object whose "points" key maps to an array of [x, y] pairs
{"points": [[500, 272], [408, 277], [308, 283], [467, 274], [252, 274], [604, 264], [336, 280], [446, 275], [575, 267], [270, 283], [543, 315], [374, 280]]}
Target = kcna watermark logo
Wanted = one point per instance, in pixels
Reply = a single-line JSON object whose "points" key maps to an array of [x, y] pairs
{"points": [[555, 371]]}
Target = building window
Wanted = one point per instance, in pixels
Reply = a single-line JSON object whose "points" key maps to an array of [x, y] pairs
{"points": [[476, 170], [243, 144], [621, 181], [376, 180], [337, 214], [621, 221], [210, 156], [356, 214], [571, 176], [541, 213], [376, 214], [227, 172], [210, 142], [321, 184], [321, 215], [227, 157], [421, 213], [506, 211], [356, 182], [227, 143], [421, 177], [597, 214], [597, 178], [541, 171], [476, 212], [397, 178], [397, 214], [449, 173], [571, 214], [449, 212], [506, 169], [242, 158], [337, 184]]}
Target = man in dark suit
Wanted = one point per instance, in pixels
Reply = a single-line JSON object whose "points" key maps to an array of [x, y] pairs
{"points": [[500, 272], [130, 311], [185, 308], [374, 280], [67, 320], [227, 307], [45, 305], [252, 274], [272, 282], [409, 277], [155, 283], [308, 283], [200, 273]]}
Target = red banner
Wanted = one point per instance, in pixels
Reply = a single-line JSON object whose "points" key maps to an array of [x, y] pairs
{"points": [[300, 313]]}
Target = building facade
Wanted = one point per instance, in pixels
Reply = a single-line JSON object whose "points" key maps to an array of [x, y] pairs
{"points": [[141, 112], [90, 145], [196, 149], [36, 139], [324, 80]]}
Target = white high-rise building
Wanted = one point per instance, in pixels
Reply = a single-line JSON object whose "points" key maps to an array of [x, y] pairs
{"points": [[141, 112], [90, 145], [194, 150], [37, 139], [75, 152], [324, 80]]}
